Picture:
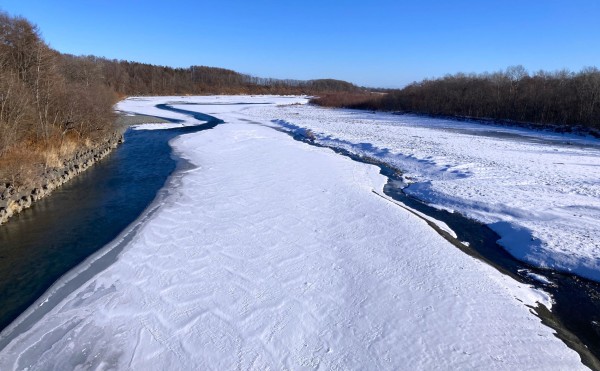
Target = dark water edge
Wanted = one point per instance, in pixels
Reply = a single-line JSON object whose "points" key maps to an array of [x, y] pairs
{"points": [[41, 244], [575, 315]]}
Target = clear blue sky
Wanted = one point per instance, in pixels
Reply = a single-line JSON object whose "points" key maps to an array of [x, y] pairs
{"points": [[371, 43]]}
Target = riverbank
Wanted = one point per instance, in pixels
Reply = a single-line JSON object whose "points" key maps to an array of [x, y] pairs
{"points": [[538, 190], [360, 102], [16, 198], [575, 327], [81, 217], [42, 179]]}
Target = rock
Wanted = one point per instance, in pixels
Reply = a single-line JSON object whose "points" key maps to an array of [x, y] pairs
{"points": [[12, 201]]}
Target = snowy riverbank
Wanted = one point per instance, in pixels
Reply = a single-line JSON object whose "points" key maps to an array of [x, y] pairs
{"points": [[274, 254], [539, 191]]}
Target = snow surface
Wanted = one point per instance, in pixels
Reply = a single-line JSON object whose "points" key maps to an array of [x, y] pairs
{"points": [[539, 191], [273, 254]]}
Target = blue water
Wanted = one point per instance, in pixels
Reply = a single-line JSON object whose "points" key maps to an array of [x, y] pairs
{"points": [[44, 242]]}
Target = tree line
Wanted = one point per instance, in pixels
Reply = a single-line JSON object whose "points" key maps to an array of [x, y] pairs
{"points": [[133, 78], [562, 98], [52, 104], [41, 99], [46, 95]]}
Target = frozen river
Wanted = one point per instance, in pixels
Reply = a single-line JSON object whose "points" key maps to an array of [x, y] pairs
{"points": [[269, 253]]}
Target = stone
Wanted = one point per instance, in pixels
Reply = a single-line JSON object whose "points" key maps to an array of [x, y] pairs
{"points": [[13, 201]]}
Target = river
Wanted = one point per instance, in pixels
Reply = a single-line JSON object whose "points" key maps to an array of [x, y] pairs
{"points": [[58, 233]]}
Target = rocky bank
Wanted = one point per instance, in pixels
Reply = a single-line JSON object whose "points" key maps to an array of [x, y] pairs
{"points": [[15, 199]]}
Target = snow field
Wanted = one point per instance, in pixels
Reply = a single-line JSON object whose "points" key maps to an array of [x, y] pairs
{"points": [[539, 191], [272, 254]]}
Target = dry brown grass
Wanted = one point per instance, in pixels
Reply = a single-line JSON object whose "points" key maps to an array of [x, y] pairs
{"points": [[23, 163], [55, 155], [69, 146], [20, 164], [52, 158]]}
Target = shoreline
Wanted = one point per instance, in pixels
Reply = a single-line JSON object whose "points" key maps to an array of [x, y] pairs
{"points": [[444, 168], [94, 264], [577, 130], [13, 200], [547, 316], [108, 254]]}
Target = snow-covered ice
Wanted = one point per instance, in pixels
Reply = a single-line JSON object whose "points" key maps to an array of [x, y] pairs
{"points": [[273, 254], [539, 191]]}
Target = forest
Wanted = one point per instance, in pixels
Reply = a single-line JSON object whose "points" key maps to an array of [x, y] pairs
{"points": [[53, 105], [47, 109], [132, 78], [563, 99]]}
